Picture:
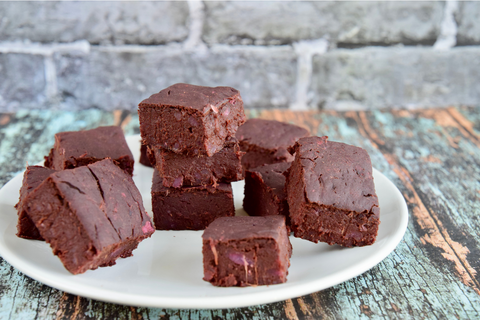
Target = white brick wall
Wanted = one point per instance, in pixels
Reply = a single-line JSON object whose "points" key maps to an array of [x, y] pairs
{"points": [[297, 55], [349, 22], [411, 77], [98, 22]]}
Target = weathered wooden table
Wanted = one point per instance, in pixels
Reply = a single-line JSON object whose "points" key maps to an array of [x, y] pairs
{"points": [[432, 156]]}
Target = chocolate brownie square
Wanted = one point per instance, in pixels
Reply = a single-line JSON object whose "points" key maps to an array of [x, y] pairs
{"points": [[189, 208], [190, 119], [144, 158], [78, 148], [265, 190], [32, 178], [246, 251], [267, 141], [179, 170], [90, 215], [331, 194]]}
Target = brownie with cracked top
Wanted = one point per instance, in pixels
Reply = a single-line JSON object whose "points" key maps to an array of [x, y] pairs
{"points": [[189, 208], [90, 215], [246, 251], [180, 170], [331, 193], [32, 178], [267, 141], [79, 148], [265, 190], [190, 119]]}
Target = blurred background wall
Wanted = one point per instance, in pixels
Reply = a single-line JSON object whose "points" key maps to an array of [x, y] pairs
{"points": [[279, 54]]}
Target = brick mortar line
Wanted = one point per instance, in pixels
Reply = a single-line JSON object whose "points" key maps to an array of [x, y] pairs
{"points": [[35, 48], [83, 47], [305, 50], [447, 38], [197, 18]]}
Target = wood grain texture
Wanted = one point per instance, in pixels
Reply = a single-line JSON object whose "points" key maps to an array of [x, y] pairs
{"points": [[432, 156]]}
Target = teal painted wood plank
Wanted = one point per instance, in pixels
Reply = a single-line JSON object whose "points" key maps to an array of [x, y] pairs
{"points": [[24, 298], [472, 115], [443, 169], [424, 285], [447, 176]]}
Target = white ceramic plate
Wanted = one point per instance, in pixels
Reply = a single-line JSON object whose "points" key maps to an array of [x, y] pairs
{"points": [[166, 270]]}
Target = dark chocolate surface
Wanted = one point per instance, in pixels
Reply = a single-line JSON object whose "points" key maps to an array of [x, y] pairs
{"points": [[189, 208], [191, 96], [32, 178], [337, 174], [270, 134], [180, 170], [273, 176], [144, 159], [331, 195], [267, 141], [246, 251], [265, 190], [191, 119], [237, 228], [90, 215], [78, 148], [123, 201], [258, 157]]}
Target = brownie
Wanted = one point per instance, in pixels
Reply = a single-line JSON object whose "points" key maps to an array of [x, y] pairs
{"points": [[267, 141], [90, 215], [180, 170], [189, 208], [32, 178], [246, 251], [144, 158], [79, 148], [191, 119], [265, 190], [331, 194]]}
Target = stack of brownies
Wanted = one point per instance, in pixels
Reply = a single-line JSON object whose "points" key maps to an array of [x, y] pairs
{"points": [[190, 134]]}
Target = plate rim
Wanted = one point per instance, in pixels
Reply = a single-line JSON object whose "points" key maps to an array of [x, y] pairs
{"points": [[263, 296]]}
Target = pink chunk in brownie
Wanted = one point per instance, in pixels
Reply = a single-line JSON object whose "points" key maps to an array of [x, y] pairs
{"points": [[246, 251]]}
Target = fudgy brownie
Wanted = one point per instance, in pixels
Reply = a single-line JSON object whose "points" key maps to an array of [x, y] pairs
{"points": [[265, 190], [179, 170], [32, 178], [331, 194], [190, 119], [246, 251], [267, 141], [189, 208], [144, 158], [90, 215], [78, 148]]}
